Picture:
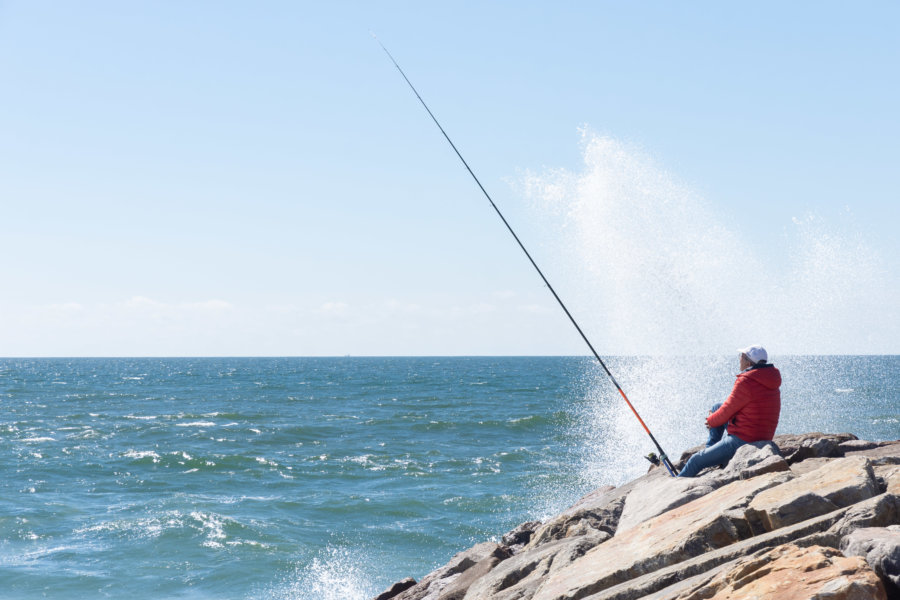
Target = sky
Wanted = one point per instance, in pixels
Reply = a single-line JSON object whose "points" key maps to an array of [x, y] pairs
{"points": [[255, 179]]}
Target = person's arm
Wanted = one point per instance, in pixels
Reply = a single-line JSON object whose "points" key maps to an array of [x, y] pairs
{"points": [[738, 399]]}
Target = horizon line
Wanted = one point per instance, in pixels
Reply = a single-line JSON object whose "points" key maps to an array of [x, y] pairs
{"points": [[334, 356]]}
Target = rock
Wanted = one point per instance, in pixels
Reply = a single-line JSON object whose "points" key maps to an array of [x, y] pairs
{"points": [[519, 537], [457, 589], [659, 538], [795, 448], [854, 445], [798, 447], [446, 583], [773, 464], [789, 571], [666, 583], [885, 454], [661, 495], [810, 464], [396, 589], [657, 496], [752, 460], [880, 511], [686, 455], [592, 498], [598, 512], [519, 577], [682, 533], [880, 546], [679, 587], [835, 485], [889, 478]]}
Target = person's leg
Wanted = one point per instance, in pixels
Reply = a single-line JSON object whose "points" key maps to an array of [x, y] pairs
{"points": [[715, 433], [716, 454]]}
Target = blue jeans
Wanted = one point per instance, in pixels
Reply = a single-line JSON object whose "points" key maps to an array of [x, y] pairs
{"points": [[720, 448]]}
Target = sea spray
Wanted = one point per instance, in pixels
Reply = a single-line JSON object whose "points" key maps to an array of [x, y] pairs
{"points": [[838, 295], [335, 573], [640, 251], [608, 449], [656, 270], [651, 269]]}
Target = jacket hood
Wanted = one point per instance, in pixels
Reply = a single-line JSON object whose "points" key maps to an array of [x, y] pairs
{"points": [[766, 375]]}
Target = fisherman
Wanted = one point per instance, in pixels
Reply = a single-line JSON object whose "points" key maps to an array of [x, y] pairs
{"points": [[750, 414]]}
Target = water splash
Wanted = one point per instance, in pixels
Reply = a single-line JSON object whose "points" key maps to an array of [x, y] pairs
{"points": [[336, 573], [662, 275], [839, 293], [661, 272]]}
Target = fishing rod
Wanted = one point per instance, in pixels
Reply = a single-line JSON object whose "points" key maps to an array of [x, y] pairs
{"points": [[662, 455]]}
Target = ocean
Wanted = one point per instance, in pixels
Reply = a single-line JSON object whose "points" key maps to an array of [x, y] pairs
{"points": [[331, 478]]}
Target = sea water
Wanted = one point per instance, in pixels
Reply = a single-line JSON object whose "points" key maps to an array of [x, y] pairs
{"points": [[330, 478]]}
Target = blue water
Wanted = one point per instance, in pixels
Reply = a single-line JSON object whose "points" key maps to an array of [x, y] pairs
{"points": [[309, 478]]}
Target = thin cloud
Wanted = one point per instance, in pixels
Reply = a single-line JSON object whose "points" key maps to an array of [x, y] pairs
{"points": [[142, 303], [334, 308]]}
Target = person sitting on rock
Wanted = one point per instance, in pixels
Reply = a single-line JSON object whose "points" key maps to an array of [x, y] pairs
{"points": [[750, 413]]}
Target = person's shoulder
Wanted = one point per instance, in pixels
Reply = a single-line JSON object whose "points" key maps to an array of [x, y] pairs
{"points": [[767, 375]]}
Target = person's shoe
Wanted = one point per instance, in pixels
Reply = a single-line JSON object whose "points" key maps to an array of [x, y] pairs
{"points": [[652, 457]]}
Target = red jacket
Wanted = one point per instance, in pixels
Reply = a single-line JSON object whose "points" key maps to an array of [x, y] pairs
{"points": [[753, 406]]}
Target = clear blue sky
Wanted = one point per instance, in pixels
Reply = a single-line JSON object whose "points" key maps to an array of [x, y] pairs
{"points": [[224, 178]]}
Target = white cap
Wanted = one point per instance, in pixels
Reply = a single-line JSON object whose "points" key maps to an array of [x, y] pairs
{"points": [[755, 353]]}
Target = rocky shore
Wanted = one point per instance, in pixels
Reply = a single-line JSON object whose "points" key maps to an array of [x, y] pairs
{"points": [[808, 516]]}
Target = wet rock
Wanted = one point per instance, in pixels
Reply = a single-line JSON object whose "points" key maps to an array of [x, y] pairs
{"points": [[880, 546], [789, 571], [450, 581], [457, 589], [519, 577], [835, 485], [519, 537], [596, 513], [395, 589]]}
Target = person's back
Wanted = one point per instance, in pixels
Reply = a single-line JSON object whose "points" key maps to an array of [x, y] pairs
{"points": [[754, 405]]}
